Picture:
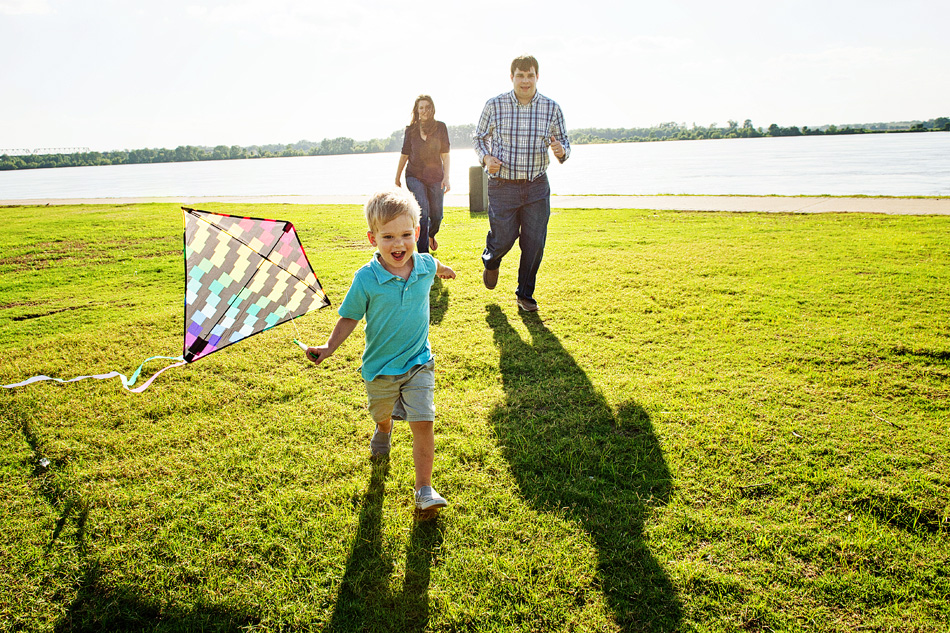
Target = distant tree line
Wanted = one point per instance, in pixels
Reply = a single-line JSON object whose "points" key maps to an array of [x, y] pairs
{"points": [[680, 132], [459, 135]]}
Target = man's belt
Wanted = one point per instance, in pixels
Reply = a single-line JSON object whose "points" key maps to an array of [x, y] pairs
{"points": [[518, 181]]}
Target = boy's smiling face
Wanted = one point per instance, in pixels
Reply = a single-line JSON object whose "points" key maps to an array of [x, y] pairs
{"points": [[396, 241]]}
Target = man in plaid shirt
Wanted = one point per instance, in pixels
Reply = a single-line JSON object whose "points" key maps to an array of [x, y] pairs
{"points": [[512, 139]]}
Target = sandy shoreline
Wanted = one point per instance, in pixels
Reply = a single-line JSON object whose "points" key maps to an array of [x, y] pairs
{"points": [[762, 204]]}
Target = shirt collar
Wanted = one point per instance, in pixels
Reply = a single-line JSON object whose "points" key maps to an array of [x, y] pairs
{"points": [[383, 275], [534, 99]]}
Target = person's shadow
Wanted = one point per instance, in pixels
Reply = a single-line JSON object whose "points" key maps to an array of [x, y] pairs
{"points": [[365, 585], [101, 605], [570, 452], [438, 302], [365, 600]]}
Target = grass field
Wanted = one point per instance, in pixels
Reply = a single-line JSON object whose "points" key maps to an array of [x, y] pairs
{"points": [[717, 422]]}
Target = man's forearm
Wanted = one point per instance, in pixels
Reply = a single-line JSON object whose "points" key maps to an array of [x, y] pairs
{"points": [[481, 139]]}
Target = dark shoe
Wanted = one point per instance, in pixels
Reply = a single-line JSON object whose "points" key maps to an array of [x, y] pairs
{"points": [[490, 277], [380, 445], [527, 305]]}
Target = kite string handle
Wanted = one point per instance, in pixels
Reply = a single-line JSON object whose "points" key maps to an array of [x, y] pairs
{"points": [[306, 348], [297, 340]]}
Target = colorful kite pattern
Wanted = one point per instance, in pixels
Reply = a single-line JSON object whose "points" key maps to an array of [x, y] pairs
{"points": [[243, 276]]}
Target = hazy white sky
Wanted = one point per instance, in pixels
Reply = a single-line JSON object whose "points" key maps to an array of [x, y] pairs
{"points": [[127, 74]]}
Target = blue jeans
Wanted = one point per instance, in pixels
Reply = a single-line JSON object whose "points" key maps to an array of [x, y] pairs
{"points": [[429, 198], [518, 210]]}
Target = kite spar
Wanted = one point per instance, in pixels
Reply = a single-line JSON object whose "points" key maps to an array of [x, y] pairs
{"points": [[243, 276]]}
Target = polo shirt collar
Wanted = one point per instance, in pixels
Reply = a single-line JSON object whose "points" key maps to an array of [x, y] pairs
{"points": [[383, 275]]}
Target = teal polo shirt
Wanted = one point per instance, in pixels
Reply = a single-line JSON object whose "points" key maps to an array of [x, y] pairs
{"points": [[397, 315]]}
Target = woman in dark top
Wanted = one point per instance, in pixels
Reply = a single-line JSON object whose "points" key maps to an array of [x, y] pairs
{"points": [[426, 150]]}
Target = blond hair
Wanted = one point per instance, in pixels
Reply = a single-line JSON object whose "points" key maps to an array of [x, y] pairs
{"points": [[386, 206]]}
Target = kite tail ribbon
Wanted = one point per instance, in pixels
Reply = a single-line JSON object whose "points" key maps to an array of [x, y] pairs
{"points": [[126, 382]]}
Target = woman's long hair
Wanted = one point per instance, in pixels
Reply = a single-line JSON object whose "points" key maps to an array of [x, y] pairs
{"points": [[430, 126]]}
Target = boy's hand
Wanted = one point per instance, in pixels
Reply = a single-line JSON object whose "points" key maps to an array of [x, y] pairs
{"points": [[444, 272], [343, 328], [318, 354]]}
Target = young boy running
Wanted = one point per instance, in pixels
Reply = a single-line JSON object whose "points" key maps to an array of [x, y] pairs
{"points": [[392, 292]]}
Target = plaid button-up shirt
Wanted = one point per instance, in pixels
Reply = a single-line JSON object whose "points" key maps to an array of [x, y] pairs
{"points": [[519, 135]]}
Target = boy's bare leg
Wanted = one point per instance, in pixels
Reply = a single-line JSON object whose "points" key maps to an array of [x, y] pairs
{"points": [[385, 427], [423, 451]]}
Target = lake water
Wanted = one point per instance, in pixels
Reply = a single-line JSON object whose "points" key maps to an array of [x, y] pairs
{"points": [[872, 164]]}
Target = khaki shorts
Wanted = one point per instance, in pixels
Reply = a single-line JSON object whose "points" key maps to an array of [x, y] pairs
{"points": [[409, 396]]}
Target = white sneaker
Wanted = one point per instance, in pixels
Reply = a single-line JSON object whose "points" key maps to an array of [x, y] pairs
{"points": [[427, 499]]}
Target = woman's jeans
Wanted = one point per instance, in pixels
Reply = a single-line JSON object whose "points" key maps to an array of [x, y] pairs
{"points": [[429, 198], [518, 210]]}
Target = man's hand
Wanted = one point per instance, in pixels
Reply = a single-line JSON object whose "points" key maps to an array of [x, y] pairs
{"points": [[492, 164], [557, 148]]}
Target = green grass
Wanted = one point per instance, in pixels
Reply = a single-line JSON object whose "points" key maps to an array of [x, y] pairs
{"points": [[717, 422]]}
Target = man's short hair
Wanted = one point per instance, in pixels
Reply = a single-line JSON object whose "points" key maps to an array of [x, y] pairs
{"points": [[386, 206], [525, 63]]}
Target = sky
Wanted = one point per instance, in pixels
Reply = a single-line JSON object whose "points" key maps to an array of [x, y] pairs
{"points": [[129, 74]]}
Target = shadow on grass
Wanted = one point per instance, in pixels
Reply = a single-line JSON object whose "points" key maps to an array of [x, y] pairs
{"points": [[571, 452], [365, 600], [365, 584], [438, 302], [100, 607], [425, 542], [57, 497]]}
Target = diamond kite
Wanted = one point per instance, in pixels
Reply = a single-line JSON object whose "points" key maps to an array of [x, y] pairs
{"points": [[242, 276]]}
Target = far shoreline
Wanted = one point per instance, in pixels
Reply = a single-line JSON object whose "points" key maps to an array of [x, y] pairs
{"points": [[890, 205]]}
